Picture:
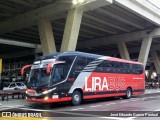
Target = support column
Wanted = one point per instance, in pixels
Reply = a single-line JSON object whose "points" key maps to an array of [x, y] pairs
{"points": [[123, 50], [36, 56], [144, 51], [150, 72], [71, 31], [155, 60], [46, 36]]}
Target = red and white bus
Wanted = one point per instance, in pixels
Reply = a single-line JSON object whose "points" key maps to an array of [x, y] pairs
{"points": [[77, 76]]}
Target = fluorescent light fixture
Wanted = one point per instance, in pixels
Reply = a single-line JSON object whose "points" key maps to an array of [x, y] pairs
{"points": [[80, 1], [75, 2]]}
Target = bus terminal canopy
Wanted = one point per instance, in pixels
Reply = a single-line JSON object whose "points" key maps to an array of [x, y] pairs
{"points": [[104, 23]]}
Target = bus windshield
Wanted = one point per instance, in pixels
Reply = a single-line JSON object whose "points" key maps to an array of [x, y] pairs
{"points": [[38, 77]]}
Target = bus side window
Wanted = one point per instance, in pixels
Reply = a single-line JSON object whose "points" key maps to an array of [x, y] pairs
{"points": [[66, 66], [89, 60], [137, 69], [78, 66], [99, 68], [106, 66]]}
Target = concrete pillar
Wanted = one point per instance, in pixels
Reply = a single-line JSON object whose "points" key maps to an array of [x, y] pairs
{"points": [[71, 31], [36, 56], [144, 51], [155, 60], [150, 72], [123, 50], [46, 36]]}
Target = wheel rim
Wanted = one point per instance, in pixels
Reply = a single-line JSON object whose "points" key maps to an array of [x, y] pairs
{"points": [[76, 98], [128, 93]]}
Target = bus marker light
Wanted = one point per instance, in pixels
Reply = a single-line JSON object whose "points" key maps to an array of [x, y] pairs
{"points": [[46, 98], [55, 96]]}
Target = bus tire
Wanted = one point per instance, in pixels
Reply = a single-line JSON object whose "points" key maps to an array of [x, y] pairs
{"points": [[76, 98], [128, 93]]}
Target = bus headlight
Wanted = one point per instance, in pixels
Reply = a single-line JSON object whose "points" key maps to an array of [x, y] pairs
{"points": [[157, 83], [45, 92], [46, 98]]}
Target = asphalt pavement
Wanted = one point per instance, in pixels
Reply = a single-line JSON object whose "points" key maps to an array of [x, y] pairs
{"points": [[136, 108]]}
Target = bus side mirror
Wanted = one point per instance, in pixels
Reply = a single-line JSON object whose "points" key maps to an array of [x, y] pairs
{"points": [[48, 69], [25, 67]]}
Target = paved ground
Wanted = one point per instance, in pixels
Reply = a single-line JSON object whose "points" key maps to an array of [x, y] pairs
{"points": [[148, 102]]}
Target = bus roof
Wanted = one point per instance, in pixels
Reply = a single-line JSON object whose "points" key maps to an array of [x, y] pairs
{"points": [[76, 53], [123, 60]]}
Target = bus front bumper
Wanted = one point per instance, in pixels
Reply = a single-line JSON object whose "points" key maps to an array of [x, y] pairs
{"points": [[49, 100]]}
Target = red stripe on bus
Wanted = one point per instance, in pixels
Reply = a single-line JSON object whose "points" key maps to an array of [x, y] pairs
{"points": [[103, 96], [50, 100]]}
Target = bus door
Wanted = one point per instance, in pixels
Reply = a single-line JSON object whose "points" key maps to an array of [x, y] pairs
{"points": [[60, 73]]}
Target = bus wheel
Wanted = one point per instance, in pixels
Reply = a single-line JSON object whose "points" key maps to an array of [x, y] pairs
{"points": [[128, 93], [76, 98]]}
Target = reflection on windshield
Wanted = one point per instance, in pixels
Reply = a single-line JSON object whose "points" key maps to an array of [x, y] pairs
{"points": [[58, 72], [38, 77]]}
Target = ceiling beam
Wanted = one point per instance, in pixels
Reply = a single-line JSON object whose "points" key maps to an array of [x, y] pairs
{"points": [[9, 8], [131, 50], [25, 35], [141, 8], [98, 28], [102, 52], [91, 32], [18, 54], [21, 53], [18, 43], [48, 1], [133, 36], [22, 2], [119, 18], [94, 18], [56, 9], [5, 14]]}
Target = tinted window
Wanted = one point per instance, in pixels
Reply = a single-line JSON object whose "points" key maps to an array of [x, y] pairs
{"points": [[89, 60], [19, 84], [119, 67], [137, 69], [78, 66], [12, 85], [60, 71]]}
